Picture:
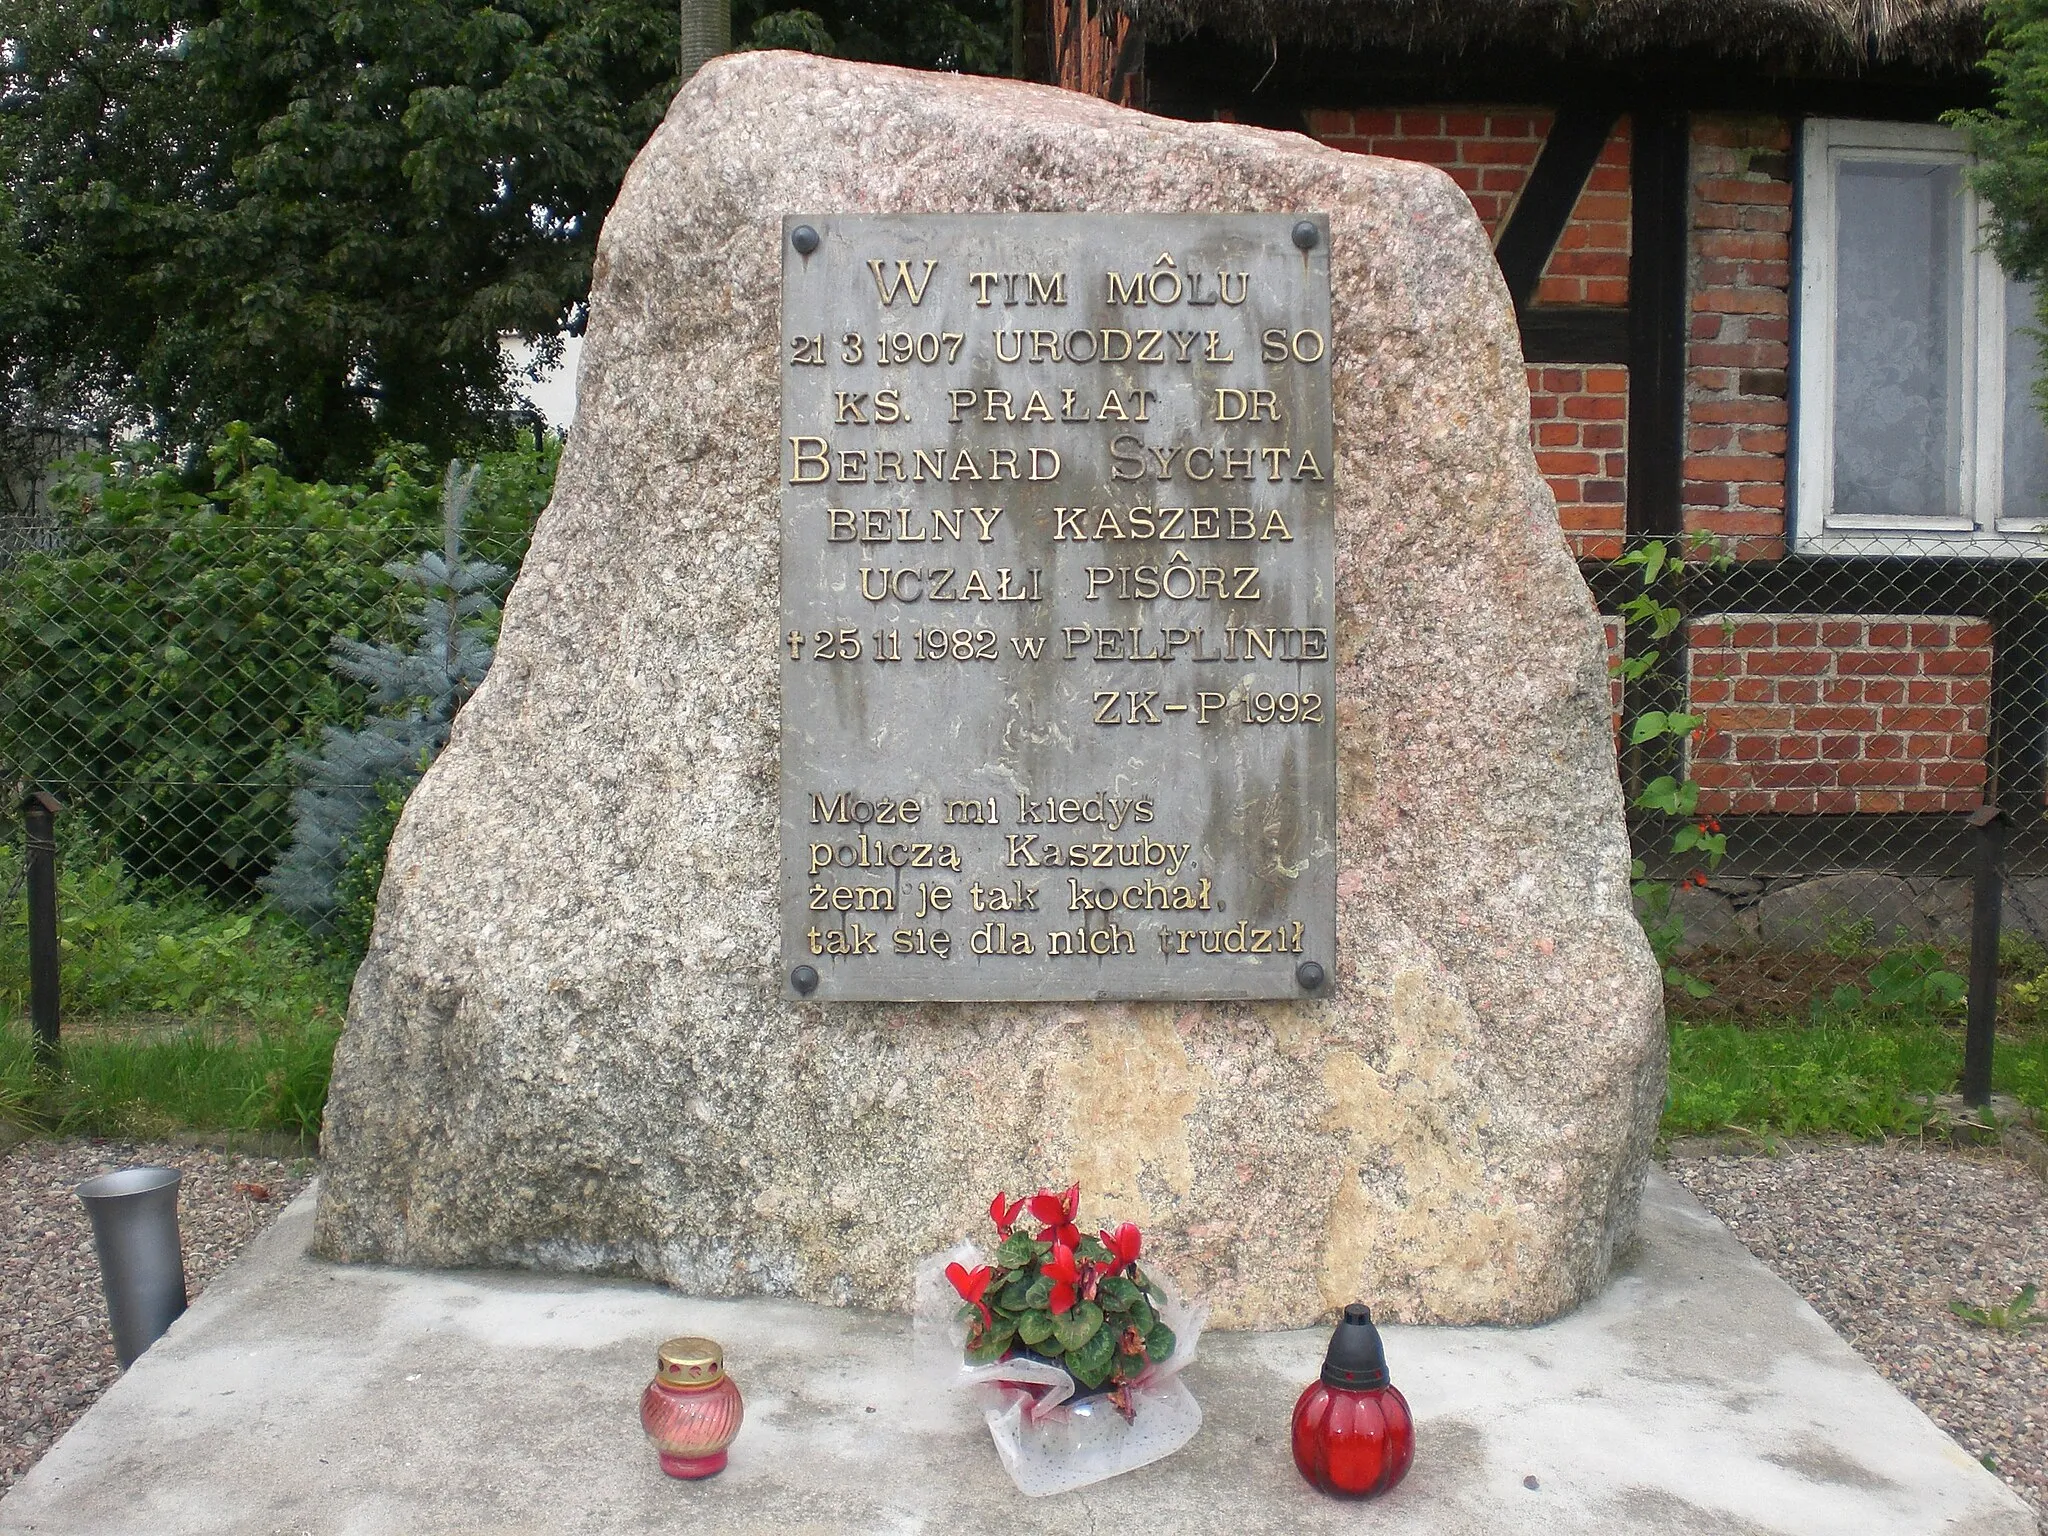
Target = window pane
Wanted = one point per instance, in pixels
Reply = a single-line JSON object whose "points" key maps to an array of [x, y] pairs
{"points": [[1898, 339], [2025, 459]]}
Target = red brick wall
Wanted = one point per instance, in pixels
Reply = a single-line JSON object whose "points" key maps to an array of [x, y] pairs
{"points": [[1578, 416], [1806, 715], [1615, 634], [1590, 264], [1830, 715], [1579, 420], [1486, 150], [1740, 283]]}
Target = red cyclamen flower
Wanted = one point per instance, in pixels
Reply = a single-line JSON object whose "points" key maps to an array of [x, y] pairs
{"points": [[971, 1284], [1123, 1245], [1064, 1275], [1057, 1214], [1003, 1212]]}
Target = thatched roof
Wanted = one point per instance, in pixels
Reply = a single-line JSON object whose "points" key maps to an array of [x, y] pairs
{"points": [[1834, 37]]}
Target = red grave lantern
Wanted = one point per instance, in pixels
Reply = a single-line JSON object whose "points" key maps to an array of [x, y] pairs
{"points": [[1353, 1435]]}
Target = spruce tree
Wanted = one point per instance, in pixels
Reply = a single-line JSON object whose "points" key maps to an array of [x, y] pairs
{"points": [[359, 776]]}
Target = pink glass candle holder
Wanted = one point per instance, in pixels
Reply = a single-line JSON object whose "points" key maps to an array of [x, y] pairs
{"points": [[691, 1410]]}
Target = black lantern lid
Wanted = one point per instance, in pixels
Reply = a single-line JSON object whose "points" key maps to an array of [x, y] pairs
{"points": [[1356, 1361]]}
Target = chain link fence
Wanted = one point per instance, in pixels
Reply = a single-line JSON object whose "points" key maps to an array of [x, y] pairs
{"points": [[162, 676], [1844, 714]]}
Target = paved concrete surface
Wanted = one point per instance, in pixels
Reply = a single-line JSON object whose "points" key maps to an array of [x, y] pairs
{"points": [[1697, 1397]]}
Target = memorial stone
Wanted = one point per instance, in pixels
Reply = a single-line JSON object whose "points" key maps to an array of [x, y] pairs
{"points": [[594, 1029]]}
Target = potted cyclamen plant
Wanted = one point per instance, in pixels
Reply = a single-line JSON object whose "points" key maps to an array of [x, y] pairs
{"points": [[1081, 1303]]}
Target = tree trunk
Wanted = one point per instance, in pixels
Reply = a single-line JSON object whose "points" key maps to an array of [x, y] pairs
{"points": [[707, 32]]}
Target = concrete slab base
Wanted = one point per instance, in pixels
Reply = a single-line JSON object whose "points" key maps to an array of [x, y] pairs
{"points": [[1699, 1396]]}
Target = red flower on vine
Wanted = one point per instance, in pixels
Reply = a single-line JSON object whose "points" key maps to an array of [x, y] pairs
{"points": [[1123, 1245], [1060, 1267], [972, 1284], [1003, 1212], [1057, 1214]]}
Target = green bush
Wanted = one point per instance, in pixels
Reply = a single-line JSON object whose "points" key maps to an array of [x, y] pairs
{"points": [[363, 874], [164, 660], [126, 951], [180, 1011], [1912, 986]]}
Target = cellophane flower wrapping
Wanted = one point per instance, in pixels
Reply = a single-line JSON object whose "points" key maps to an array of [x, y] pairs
{"points": [[1049, 1443]]}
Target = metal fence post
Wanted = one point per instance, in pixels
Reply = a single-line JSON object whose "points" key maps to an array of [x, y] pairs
{"points": [[1987, 825], [39, 821]]}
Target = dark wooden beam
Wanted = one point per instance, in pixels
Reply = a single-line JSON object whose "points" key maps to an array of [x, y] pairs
{"points": [[1660, 160], [1577, 135], [1574, 335], [1930, 846], [1194, 76]]}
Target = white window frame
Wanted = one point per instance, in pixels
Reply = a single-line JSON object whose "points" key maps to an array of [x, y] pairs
{"points": [[1978, 529]]}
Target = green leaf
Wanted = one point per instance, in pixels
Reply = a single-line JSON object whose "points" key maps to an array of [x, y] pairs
{"points": [[1159, 1342], [1142, 1316], [1016, 1295], [1034, 1328], [1091, 1249], [1090, 1361], [1019, 1251], [1040, 1293], [995, 1343], [1649, 559], [1666, 794], [1686, 982], [1078, 1324], [1117, 1294], [2007, 1316]]}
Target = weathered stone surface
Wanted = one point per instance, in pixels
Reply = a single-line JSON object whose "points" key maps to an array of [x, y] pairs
{"points": [[1710, 921], [567, 1048], [2024, 909], [1806, 915]]}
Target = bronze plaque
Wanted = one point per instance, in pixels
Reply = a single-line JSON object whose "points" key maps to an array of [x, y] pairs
{"points": [[1057, 584]]}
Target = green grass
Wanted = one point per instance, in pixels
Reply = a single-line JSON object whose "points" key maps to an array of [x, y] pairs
{"points": [[1850, 1040], [179, 1012], [1811, 1079], [196, 1078]]}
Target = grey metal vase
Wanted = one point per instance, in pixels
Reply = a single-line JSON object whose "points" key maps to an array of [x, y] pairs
{"points": [[135, 1228]]}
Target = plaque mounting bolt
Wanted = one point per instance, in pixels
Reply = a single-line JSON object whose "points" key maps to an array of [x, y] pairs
{"points": [[1309, 974], [805, 239], [805, 980], [1306, 236]]}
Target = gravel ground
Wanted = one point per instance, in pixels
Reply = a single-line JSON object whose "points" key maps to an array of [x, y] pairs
{"points": [[56, 1354], [1880, 1239]]}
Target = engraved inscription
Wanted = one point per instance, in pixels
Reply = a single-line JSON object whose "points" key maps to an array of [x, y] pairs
{"points": [[1056, 633]]}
